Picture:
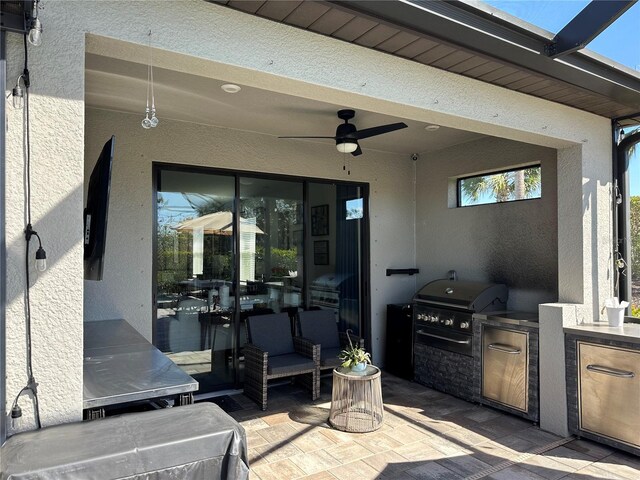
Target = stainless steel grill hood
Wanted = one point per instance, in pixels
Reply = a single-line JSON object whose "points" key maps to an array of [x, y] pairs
{"points": [[471, 296]]}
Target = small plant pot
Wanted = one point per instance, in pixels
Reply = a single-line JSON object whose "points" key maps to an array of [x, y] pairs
{"points": [[359, 367]]}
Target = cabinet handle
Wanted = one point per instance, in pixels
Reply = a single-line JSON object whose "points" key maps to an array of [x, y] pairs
{"points": [[504, 348], [422, 332], [614, 372]]}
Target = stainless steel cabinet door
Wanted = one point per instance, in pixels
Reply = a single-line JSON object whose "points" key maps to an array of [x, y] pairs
{"points": [[505, 367], [609, 392]]}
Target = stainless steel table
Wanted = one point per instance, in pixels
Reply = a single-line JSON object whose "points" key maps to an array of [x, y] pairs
{"points": [[121, 366]]}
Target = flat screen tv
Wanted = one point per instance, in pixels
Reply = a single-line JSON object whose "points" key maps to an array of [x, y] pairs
{"points": [[95, 214]]}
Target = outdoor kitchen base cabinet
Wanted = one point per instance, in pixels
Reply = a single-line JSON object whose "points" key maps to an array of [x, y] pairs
{"points": [[609, 392], [505, 364]]}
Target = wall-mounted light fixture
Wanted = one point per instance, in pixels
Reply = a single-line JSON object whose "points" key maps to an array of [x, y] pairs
{"points": [[41, 255], [17, 95]]}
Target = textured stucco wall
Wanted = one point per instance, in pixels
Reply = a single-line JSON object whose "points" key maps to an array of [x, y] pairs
{"points": [[56, 118], [211, 40], [515, 243], [126, 289]]}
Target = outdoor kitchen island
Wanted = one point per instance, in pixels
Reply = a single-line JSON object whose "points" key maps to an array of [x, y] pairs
{"points": [[603, 383]]}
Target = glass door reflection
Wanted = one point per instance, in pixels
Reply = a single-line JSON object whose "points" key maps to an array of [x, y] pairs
{"points": [[271, 248], [195, 321]]}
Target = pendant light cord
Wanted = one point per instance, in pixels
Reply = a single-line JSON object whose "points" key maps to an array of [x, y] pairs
{"points": [[31, 385], [153, 98]]}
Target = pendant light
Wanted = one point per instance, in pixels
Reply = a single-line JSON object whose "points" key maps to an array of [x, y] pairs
{"points": [[150, 122]]}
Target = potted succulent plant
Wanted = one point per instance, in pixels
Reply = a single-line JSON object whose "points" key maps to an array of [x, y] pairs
{"points": [[354, 357]]}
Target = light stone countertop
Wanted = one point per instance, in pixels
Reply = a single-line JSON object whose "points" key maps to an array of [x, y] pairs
{"points": [[628, 332]]}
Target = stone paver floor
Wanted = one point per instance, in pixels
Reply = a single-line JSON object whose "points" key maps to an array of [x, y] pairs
{"points": [[426, 435]]}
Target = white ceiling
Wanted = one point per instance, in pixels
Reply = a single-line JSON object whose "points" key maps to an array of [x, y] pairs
{"points": [[121, 85]]}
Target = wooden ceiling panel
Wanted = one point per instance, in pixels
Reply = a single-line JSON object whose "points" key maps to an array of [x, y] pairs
{"points": [[464, 67], [536, 86], [353, 29], [278, 9], [306, 14], [331, 21], [398, 41], [511, 78], [483, 69], [454, 58], [377, 35], [416, 48], [249, 6], [434, 54]]}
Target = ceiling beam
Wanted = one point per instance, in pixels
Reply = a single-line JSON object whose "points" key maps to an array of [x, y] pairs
{"points": [[586, 26]]}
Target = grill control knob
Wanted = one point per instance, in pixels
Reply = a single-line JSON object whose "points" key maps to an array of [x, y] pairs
{"points": [[435, 319], [464, 325], [421, 316], [448, 322]]}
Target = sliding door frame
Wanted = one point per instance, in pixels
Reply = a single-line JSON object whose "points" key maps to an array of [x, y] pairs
{"points": [[365, 294]]}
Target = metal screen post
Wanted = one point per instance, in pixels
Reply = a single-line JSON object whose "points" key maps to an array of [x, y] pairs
{"points": [[3, 246]]}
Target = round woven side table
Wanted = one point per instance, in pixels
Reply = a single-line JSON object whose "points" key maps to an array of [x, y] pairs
{"points": [[356, 400]]}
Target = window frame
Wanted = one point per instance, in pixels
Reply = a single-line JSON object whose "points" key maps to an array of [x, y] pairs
{"points": [[459, 181], [622, 215]]}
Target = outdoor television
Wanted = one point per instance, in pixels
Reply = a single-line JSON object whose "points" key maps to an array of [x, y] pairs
{"points": [[95, 214]]}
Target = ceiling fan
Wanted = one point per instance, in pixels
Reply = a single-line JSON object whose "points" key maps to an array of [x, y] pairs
{"points": [[347, 135]]}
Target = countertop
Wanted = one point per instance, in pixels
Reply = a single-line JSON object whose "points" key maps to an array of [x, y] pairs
{"points": [[628, 332], [526, 319]]}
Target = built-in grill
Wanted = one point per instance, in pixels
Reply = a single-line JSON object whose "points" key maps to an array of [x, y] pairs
{"points": [[443, 326]]}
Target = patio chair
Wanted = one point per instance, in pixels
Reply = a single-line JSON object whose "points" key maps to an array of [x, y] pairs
{"points": [[184, 330], [272, 352], [320, 326]]}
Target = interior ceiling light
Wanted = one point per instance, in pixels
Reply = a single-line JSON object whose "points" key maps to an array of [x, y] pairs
{"points": [[231, 88], [35, 32], [152, 122], [432, 128]]}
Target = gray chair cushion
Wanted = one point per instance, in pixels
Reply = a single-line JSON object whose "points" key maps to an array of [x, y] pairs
{"points": [[329, 357], [288, 364], [271, 333], [320, 326]]}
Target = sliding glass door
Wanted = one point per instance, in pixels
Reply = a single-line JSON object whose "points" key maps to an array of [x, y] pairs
{"points": [[229, 246], [335, 239], [195, 315]]}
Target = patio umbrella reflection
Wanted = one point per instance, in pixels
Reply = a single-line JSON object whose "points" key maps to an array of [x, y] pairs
{"points": [[218, 223]]}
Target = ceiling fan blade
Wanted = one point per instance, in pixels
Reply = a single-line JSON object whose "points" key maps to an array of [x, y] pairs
{"points": [[332, 138], [357, 151], [373, 131]]}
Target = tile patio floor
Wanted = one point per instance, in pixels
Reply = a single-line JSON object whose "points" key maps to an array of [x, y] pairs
{"points": [[426, 435]]}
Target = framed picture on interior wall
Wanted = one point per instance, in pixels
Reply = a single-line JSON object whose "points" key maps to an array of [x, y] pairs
{"points": [[321, 252], [320, 220]]}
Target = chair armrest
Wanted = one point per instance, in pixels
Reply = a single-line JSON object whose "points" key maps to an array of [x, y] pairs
{"points": [[307, 348], [254, 356], [344, 340]]}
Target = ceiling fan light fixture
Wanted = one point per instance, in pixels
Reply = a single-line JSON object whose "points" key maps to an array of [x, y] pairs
{"points": [[432, 128], [347, 147]]}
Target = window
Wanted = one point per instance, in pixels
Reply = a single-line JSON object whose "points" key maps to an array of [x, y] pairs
{"points": [[354, 209], [502, 186]]}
